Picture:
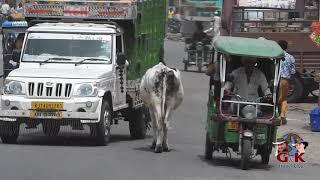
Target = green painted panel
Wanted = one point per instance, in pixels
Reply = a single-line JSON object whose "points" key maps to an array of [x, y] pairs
{"points": [[146, 54]]}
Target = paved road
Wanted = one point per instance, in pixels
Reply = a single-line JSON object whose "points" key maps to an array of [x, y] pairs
{"points": [[39, 158]]}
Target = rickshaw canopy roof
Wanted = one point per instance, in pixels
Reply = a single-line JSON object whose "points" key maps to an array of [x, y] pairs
{"points": [[239, 46]]}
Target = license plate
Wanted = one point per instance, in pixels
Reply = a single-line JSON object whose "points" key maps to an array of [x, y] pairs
{"points": [[37, 114], [233, 126], [47, 105]]}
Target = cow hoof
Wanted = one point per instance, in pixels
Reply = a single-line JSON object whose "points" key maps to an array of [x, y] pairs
{"points": [[153, 145], [166, 149], [158, 149]]}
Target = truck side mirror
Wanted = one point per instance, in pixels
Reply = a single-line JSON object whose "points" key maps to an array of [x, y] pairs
{"points": [[121, 59]]}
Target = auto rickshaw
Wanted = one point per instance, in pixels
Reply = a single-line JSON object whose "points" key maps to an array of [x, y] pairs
{"points": [[247, 127], [197, 53], [12, 37]]}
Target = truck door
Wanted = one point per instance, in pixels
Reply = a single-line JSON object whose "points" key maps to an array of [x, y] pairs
{"points": [[121, 75]]}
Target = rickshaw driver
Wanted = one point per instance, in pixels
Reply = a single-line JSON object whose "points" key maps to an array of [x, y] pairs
{"points": [[246, 81]]}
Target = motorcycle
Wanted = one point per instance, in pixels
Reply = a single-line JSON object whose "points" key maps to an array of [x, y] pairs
{"points": [[174, 26]]}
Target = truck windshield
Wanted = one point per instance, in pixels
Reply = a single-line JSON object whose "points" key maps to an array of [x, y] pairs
{"points": [[70, 48]]}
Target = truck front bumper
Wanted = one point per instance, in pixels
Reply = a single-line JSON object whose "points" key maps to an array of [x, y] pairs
{"points": [[84, 117], [15, 107]]}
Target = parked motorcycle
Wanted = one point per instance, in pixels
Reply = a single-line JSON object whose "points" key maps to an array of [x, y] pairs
{"points": [[174, 26]]}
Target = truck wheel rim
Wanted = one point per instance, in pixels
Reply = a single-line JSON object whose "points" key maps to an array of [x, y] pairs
{"points": [[107, 122]]}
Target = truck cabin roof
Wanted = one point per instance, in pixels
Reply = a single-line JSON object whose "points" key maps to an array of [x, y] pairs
{"points": [[76, 27]]}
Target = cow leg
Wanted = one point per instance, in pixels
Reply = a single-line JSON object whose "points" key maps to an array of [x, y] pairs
{"points": [[166, 126], [154, 127], [165, 139], [159, 147]]}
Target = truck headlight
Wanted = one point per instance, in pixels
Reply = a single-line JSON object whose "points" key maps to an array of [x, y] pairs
{"points": [[85, 90], [15, 88]]}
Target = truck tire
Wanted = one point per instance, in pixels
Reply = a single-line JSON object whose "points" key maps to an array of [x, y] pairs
{"points": [[9, 132], [101, 130], [138, 122], [208, 148], [295, 90], [50, 128], [245, 153]]}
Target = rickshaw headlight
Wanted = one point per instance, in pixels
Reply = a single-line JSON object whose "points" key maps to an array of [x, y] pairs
{"points": [[15, 88], [249, 112]]}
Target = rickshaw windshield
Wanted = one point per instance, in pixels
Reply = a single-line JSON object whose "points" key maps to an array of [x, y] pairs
{"points": [[66, 47]]}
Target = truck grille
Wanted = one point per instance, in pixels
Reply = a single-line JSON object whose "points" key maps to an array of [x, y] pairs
{"points": [[51, 90]]}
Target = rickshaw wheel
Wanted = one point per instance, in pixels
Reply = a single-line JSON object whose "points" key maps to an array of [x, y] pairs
{"points": [[209, 148], [265, 155], [199, 68], [265, 158], [185, 66], [245, 153]]}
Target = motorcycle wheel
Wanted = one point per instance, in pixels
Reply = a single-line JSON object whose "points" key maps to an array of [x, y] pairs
{"points": [[245, 153]]}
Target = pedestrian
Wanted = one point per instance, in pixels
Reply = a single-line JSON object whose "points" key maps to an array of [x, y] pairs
{"points": [[170, 13], [287, 69], [5, 10], [215, 26], [20, 8]]}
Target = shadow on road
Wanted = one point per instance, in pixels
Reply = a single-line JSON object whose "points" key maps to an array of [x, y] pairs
{"points": [[68, 139], [309, 99], [149, 149], [234, 163]]}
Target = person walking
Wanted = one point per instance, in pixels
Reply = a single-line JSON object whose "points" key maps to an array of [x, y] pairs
{"points": [[287, 69], [5, 10]]}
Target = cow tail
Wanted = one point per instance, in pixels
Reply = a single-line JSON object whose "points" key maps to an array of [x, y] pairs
{"points": [[163, 99]]}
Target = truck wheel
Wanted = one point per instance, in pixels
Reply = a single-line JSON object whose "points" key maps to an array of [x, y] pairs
{"points": [[101, 130], [245, 153], [9, 132], [295, 90], [50, 128], [138, 123], [208, 148]]}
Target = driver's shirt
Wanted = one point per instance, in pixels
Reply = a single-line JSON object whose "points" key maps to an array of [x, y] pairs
{"points": [[248, 91]]}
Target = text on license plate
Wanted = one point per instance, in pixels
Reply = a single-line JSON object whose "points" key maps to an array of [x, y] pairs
{"points": [[47, 105], [37, 114], [233, 125]]}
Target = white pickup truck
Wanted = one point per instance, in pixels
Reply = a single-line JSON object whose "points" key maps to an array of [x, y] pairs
{"points": [[74, 74]]}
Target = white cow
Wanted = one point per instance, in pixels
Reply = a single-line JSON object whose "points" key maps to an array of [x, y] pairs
{"points": [[161, 91]]}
